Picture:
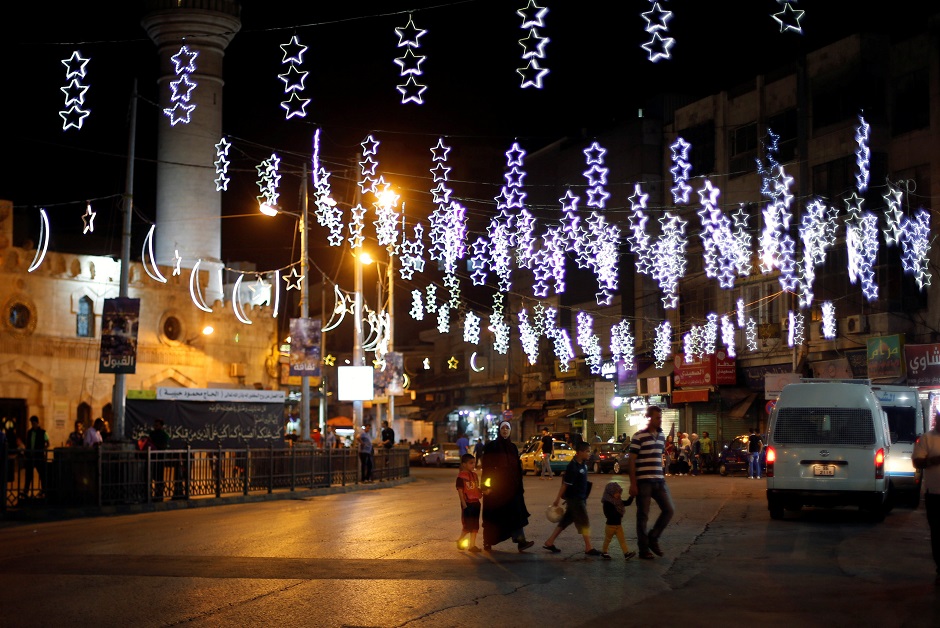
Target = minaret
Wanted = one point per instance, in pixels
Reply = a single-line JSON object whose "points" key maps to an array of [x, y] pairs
{"points": [[189, 208]]}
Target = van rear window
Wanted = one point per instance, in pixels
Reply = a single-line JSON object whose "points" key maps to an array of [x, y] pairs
{"points": [[902, 420], [824, 426]]}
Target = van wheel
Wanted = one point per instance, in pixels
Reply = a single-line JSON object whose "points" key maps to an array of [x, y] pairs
{"points": [[597, 467], [775, 507], [723, 468]]}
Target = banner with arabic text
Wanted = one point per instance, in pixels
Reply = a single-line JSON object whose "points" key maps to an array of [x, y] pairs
{"points": [[923, 364], [119, 318]]}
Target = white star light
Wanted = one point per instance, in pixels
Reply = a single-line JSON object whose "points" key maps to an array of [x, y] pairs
{"points": [[73, 116], [410, 63], [221, 165], [471, 328], [184, 64], [828, 320], [89, 220], [662, 345], [789, 18], [862, 155], [533, 45]]}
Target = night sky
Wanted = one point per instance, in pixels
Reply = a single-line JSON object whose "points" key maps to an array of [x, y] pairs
{"points": [[599, 75]]}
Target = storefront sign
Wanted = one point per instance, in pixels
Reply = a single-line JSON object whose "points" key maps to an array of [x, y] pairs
{"points": [[923, 364], [884, 357], [832, 369], [604, 412], [774, 383], [706, 370]]}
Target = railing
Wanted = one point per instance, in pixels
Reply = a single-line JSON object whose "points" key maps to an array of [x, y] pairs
{"points": [[109, 476]]}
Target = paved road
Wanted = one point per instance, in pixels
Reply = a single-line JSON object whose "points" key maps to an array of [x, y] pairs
{"points": [[387, 557]]}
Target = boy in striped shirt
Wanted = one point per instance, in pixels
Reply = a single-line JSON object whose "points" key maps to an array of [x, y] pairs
{"points": [[647, 483]]}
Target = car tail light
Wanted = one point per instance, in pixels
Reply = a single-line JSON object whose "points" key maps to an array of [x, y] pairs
{"points": [[770, 460], [880, 464]]}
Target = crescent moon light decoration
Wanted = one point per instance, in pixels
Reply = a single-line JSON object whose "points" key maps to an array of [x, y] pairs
{"points": [[339, 308], [473, 363], [406, 381], [277, 292], [236, 301], [194, 292], [43, 241], [151, 269]]}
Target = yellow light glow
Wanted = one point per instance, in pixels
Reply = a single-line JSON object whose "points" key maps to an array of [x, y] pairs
{"points": [[365, 258], [268, 210], [207, 330], [486, 483]]}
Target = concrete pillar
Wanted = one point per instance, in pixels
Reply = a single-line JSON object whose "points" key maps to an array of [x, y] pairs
{"points": [[188, 206]]}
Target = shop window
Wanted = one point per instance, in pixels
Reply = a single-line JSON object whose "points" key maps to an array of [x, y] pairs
{"points": [[85, 319]]}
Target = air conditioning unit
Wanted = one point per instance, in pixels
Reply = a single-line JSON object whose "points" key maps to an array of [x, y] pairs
{"points": [[857, 324]]}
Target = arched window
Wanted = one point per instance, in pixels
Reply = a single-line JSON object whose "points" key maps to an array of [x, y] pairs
{"points": [[85, 319]]}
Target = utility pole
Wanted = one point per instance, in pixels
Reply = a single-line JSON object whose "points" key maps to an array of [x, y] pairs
{"points": [[357, 322], [119, 393], [323, 387], [304, 308]]}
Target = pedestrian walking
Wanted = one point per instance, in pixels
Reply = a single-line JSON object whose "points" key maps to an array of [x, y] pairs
{"points": [[37, 442], [365, 453], [648, 484], [548, 448], [926, 456], [754, 447], [505, 515], [574, 489], [468, 489], [614, 508]]}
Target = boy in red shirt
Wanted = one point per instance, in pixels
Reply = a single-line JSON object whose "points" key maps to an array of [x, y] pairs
{"points": [[468, 489]]}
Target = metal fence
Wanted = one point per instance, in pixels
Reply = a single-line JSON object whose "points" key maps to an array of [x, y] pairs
{"points": [[112, 475]]}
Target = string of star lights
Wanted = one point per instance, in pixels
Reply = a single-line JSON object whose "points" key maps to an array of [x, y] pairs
{"points": [[528, 337], [417, 305], [818, 232], [789, 18], [441, 194], [410, 63], [863, 154], [221, 165], [893, 215], [443, 319], [915, 247], [596, 175], [622, 344], [471, 328], [367, 180], [430, 301], [750, 334], [728, 335], [293, 79], [561, 340], [638, 240], [692, 344], [662, 344], [680, 171], [498, 325], [74, 114], [269, 180], [533, 45], [386, 223], [828, 320], [657, 25], [184, 65], [589, 342], [571, 222], [412, 252], [328, 213], [668, 263]]}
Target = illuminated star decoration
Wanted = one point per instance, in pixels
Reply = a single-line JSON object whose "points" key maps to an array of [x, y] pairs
{"points": [[73, 116], [443, 318], [367, 180], [828, 320], [293, 279], [862, 154], [668, 263], [662, 344], [528, 337], [471, 328], [177, 262], [417, 305], [680, 171], [789, 18], [622, 344], [269, 180], [893, 215], [426, 363], [293, 79], [410, 63], [184, 65], [796, 331], [412, 253], [452, 363], [818, 232], [533, 45], [750, 333], [915, 247], [329, 360], [589, 342], [221, 165], [639, 240], [498, 325], [740, 311], [596, 175], [718, 242], [727, 335], [599, 249], [328, 212], [88, 218], [657, 25]]}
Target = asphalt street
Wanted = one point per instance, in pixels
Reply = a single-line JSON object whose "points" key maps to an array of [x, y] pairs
{"points": [[387, 557]]}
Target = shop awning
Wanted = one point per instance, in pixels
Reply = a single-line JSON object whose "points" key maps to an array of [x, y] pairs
{"points": [[740, 409], [691, 395]]}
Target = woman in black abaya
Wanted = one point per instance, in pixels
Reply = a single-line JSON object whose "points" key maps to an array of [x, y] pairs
{"points": [[504, 512]]}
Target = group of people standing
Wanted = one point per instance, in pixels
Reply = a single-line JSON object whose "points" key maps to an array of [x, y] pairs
{"points": [[499, 495], [687, 454]]}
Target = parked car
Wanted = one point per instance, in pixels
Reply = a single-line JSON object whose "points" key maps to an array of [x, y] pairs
{"points": [[531, 456], [606, 458], [734, 456], [416, 454], [441, 455]]}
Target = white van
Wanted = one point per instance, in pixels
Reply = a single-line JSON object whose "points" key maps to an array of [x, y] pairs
{"points": [[827, 445], [906, 422]]}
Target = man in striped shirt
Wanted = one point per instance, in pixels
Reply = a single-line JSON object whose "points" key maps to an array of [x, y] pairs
{"points": [[648, 483]]}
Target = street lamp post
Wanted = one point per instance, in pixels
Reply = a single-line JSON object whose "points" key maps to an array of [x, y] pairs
{"points": [[269, 210], [358, 356]]}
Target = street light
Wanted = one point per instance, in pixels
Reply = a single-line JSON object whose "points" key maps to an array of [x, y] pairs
{"points": [[273, 210]]}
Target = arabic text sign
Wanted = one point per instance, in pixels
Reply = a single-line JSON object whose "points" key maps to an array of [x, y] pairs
{"points": [[923, 364], [884, 357], [119, 319], [235, 395], [305, 346]]}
